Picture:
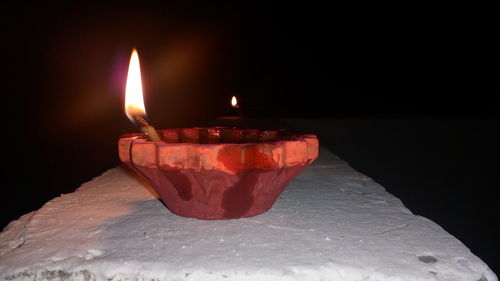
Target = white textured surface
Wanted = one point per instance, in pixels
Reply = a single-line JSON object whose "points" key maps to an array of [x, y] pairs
{"points": [[331, 223]]}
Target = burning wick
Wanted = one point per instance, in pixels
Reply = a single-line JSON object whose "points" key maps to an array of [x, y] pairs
{"points": [[134, 101], [235, 105], [147, 129]]}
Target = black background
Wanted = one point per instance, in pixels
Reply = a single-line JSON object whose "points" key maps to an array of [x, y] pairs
{"points": [[405, 94]]}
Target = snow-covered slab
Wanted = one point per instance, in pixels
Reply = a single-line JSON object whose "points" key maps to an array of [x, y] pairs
{"points": [[331, 223]]}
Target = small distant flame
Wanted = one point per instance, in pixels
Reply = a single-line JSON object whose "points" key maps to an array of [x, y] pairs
{"points": [[134, 101], [234, 102]]}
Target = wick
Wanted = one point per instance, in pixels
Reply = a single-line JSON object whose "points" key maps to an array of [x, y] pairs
{"points": [[141, 121], [147, 129]]}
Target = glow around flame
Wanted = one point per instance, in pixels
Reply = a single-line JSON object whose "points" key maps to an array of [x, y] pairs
{"points": [[234, 102], [134, 101]]}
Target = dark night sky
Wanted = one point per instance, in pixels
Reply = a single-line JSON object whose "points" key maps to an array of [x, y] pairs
{"points": [[411, 82]]}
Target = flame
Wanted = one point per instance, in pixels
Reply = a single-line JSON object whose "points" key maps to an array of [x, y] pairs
{"points": [[234, 102], [134, 101]]}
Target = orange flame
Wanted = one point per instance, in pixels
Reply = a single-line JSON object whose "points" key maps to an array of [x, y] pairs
{"points": [[134, 100], [234, 102]]}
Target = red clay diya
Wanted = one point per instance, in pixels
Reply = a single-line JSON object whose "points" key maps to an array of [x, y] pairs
{"points": [[219, 173]]}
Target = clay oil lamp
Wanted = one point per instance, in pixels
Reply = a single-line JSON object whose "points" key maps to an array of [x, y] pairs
{"points": [[213, 173]]}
